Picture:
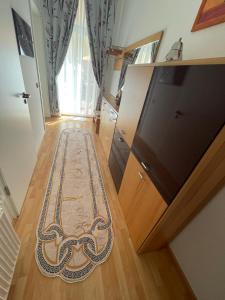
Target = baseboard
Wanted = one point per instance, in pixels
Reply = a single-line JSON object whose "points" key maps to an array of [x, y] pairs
{"points": [[180, 271]]}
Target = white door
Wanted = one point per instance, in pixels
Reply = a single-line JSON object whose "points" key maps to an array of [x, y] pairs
{"points": [[17, 147], [29, 71], [30, 77]]}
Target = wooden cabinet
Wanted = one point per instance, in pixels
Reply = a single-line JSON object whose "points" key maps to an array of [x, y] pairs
{"points": [[141, 203], [136, 85], [107, 126]]}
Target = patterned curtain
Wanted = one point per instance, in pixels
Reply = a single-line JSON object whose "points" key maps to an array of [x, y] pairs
{"points": [[58, 18], [128, 60], [77, 87], [100, 20]]}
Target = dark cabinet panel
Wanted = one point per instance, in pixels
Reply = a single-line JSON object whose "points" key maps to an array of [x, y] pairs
{"points": [[184, 111], [118, 158]]}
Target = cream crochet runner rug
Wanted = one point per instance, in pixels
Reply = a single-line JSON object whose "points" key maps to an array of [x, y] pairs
{"points": [[74, 234]]}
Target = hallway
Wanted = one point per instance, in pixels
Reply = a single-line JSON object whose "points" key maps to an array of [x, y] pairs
{"points": [[123, 276]]}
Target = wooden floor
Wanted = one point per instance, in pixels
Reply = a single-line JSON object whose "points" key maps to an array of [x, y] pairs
{"points": [[123, 276]]}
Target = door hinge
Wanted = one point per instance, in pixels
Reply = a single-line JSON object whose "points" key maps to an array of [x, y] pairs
{"points": [[7, 191]]}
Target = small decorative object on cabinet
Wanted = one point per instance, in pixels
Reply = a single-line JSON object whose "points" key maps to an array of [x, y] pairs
{"points": [[175, 52], [210, 13]]}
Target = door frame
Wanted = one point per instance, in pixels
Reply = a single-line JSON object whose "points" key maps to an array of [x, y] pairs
{"points": [[36, 62]]}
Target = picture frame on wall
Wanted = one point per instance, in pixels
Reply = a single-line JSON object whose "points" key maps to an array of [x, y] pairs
{"points": [[23, 35], [211, 12]]}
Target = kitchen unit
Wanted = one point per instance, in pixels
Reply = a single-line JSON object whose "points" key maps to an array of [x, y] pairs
{"points": [[177, 145]]}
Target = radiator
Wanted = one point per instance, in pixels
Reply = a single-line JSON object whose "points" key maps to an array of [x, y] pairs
{"points": [[9, 250]]}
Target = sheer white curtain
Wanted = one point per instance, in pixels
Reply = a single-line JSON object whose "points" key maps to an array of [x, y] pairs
{"points": [[77, 87]]}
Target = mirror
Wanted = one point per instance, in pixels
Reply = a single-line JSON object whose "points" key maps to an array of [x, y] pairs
{"points": [[147, 53], [142, 52]]}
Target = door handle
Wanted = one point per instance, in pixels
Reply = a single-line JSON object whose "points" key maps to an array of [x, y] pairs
{"points": [[25, 95]]}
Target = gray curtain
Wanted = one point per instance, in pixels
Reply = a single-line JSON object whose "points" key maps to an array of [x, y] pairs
{"points": [[128, 60], [58, 19], [100, 16]]}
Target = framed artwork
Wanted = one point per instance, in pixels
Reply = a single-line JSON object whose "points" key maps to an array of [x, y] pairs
{"points": [[211, 12], [23, 35]]}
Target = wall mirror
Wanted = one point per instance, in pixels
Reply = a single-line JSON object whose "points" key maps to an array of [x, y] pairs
{"points": [[142, 52]]}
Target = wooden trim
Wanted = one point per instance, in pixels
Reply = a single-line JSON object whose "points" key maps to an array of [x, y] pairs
{"points": [[118, 63], [181, 273], [96, 122], [112, 101], [151, 38], [147, 40], [201, 61], [114, 51], [205, 181]]}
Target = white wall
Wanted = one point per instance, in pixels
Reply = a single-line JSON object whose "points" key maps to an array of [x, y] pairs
{"points": [[145, 17], [200, 250]]}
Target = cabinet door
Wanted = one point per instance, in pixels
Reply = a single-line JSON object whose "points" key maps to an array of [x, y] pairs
{"points": [[133, 97], [141, 202], [131, 183], [107, 126], [110, 123]]}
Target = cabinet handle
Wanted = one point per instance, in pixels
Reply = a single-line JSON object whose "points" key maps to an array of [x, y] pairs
{"points": [[145, 166], [141, 175]]}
